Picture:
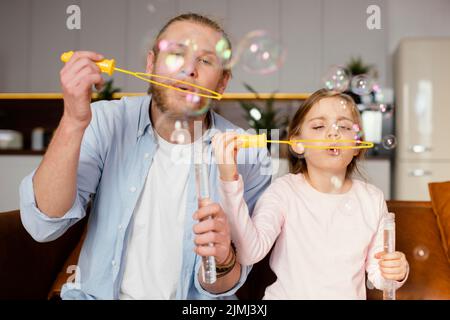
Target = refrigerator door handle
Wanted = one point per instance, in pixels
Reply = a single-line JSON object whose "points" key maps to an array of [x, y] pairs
{"points": [[419, 148], [419, 173]]}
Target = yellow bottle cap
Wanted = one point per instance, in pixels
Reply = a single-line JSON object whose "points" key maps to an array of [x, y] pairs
{"points": [[105, 65], [253, 141]]}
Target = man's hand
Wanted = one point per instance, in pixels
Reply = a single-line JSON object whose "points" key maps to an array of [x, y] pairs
{"points": [[77, 77], [212, 228]]}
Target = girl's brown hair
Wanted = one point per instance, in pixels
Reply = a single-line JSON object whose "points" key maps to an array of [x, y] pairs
{"points": [[297, 163]]}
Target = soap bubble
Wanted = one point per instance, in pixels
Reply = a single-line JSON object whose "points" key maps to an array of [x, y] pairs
{"points": [[180, 133], [175, 53], [389, 142], [335, 127], [421, 253], [173, 127], [336, 183], [383, 95], [376, 88], [196, 105], [356, 127], [297, 149], [163, 45], [382, 107], [151, 8], [225, 54], [172, 54], [259, 53], [174, 63], [358, 132], [255, 114], [336, 78], [369, 285], [361, 84], [343, 104], [347, 207]]}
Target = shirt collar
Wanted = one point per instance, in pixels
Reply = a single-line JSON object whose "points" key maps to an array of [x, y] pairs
{"points": [[210, 133], [144, 118]]}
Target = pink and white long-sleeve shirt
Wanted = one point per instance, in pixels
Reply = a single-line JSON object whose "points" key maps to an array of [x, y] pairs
{"points": [[324, 243]]}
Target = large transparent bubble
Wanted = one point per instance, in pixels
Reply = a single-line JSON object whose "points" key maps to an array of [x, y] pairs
{"points": [[362, 84], [260, 53]]}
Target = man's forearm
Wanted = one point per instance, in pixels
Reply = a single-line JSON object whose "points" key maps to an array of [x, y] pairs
{"points": [[222, 284], [55, 181]]}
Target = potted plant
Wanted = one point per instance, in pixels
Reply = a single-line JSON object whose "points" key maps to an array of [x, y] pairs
{"points": [[355, 67], [264, 117], [107, 92]]}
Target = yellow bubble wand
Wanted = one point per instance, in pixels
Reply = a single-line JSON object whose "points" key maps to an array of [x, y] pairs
{"points": [[109, 66], [260, 141]]}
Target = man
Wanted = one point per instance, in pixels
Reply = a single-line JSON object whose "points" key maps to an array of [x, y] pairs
{"points": [[142, 240]]}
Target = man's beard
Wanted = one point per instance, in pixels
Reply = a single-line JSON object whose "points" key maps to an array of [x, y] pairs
{"points": [[159, 95]]}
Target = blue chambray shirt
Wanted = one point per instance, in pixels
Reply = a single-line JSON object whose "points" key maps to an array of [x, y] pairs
{"points": [[116, 154]]}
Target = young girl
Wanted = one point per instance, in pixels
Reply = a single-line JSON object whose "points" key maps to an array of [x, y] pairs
{"points": [[327, 227]]}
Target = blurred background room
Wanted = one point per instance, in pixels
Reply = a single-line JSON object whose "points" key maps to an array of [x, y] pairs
{"points": [[392, 56]]}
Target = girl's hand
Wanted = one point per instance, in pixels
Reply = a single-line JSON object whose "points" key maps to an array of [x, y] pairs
{"points": [[226, 147], [393, 265]]}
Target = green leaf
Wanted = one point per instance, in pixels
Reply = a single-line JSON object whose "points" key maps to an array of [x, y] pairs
{"points": [[250, 88], [270, 117]]}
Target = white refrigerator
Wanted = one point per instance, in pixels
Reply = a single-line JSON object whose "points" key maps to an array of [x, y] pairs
{"points": [[422, 125]]}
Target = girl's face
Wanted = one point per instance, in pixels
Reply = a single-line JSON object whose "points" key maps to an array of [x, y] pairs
{"points": [[330, 118]]}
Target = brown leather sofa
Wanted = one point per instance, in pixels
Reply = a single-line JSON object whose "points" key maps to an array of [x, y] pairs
{"points": [[31, 270]]}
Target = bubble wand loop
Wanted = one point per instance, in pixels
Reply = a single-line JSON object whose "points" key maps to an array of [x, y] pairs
{"points": [[259, 141], [109, 66]]}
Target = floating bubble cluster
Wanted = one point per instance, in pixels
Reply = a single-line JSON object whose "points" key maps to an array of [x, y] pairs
{"points": [[336, 78]]}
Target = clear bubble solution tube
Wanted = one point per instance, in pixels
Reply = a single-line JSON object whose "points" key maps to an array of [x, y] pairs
{"points": [[389, 247]]}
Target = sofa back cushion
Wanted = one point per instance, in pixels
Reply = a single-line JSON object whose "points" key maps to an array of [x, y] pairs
{"points": [[28, 268]]}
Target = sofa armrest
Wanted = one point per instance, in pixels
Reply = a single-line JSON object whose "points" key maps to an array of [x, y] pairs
{"points": [[28, 268], [429, 274]]}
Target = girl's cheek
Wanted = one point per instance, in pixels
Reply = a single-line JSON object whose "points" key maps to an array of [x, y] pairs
{"points": [[350, 134]]}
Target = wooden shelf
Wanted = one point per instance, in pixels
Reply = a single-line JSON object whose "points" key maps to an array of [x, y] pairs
{"points": [[19, 152], [226, 96]]}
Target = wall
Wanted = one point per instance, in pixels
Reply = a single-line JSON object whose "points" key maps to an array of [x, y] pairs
{"points": [[12, 170], [316, 34]]}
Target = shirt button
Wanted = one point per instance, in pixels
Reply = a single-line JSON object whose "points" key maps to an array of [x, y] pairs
{"points": [[146, 155], [139, 132], [119, 227], [113, 263], [133, 189]]}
